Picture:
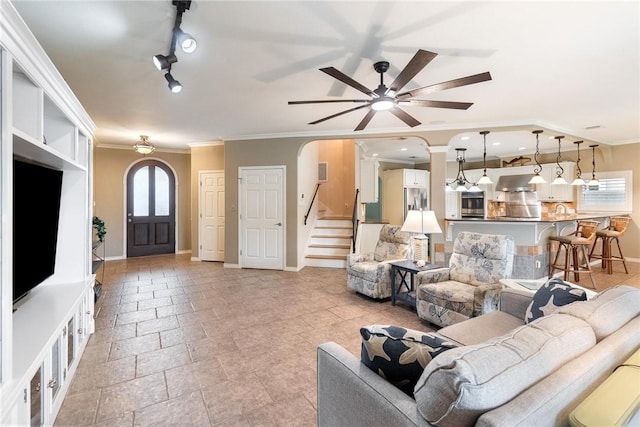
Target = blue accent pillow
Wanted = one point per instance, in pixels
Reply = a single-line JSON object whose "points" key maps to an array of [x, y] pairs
{"points": [[550, 297], [400, 355]]}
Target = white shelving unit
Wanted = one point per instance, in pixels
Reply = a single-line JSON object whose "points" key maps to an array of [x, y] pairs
{"points": [[42, 121]]}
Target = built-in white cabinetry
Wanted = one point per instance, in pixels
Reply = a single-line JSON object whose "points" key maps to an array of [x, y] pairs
{"points": [[559, 192], [41, 121], [369, 181], [452, 208], [415, 178]]}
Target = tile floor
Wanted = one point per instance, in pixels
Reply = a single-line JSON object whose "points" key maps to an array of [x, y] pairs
{"points": [[182, 343]]}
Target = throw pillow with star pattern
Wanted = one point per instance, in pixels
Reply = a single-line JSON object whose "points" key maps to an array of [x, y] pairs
{"points": [[398, 354], [550, 297]]}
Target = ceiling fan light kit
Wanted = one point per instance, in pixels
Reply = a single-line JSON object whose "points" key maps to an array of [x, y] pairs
{"points": [[187, 43], [389, 98]]}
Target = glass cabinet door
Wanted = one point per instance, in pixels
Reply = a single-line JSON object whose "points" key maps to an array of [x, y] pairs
{"points": [[36, 399], [55, 379], [70, 342]]}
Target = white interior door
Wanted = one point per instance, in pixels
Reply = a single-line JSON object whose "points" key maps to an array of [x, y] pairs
{"points": [[212, 216], [262, 217]]}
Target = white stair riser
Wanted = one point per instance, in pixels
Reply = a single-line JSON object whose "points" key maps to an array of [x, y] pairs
{"points": [[330, 233], [330, 240], [327, 251], [333, 223], [328, 263]]}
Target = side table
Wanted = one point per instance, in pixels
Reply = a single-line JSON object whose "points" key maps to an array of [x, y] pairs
{"points": [[405, 290]]}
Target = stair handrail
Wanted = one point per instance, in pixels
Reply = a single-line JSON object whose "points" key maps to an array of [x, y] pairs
{"points": [[354, 222], [311, 204]]}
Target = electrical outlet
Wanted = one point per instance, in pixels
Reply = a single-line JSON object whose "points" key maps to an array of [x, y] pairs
{"points": [[537, 263]]}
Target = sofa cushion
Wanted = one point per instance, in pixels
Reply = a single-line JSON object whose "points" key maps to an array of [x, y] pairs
{"points": [[398, 354], [550, 297], [608, 311], [463, 383], [450, 294]]}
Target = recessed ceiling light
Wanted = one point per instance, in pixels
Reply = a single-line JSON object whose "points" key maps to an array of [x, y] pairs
{"points": [[521, 148], [495, 143], [403, 149], [464, 138], [374, 155]]}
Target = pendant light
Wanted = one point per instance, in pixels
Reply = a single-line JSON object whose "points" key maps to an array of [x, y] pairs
{"points": [[537, 178], [594, 181], [484, 179], [144, 147], [578, 180], [461, 180], [559, 169]]}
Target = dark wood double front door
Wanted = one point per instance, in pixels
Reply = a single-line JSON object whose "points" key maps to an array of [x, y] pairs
{"points": [[150, 209]]}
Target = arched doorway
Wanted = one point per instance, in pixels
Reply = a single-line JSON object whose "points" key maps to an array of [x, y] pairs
{"points": [[150, 209]]}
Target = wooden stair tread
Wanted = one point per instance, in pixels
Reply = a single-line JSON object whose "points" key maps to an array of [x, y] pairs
{"points": [[332, 227], [332, 236], [336, 217], [331, 246]]}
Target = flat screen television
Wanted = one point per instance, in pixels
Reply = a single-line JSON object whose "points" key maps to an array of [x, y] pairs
{"points": [[36, 213]]}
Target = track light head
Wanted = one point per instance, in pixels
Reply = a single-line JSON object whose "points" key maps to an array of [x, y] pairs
{"points": [[186, 41], [163, 62], [174, 85]]}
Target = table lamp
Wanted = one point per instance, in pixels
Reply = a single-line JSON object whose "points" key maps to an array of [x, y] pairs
{"points": [[422, 223]]}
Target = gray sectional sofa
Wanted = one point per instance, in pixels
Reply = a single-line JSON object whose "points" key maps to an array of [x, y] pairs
{"points": [[505, 373]]}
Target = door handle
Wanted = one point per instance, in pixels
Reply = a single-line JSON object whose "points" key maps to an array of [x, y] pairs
{"points": [[279, 224]]}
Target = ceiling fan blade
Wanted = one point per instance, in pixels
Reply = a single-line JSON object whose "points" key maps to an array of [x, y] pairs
{"points": [[338, 114], [437, 104], [333, 72], [463, 81], [417, 63], [365, 121], [327, 101], [404, 116]]}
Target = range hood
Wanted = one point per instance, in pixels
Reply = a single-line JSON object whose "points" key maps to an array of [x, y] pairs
{"points": [[514, 183]]}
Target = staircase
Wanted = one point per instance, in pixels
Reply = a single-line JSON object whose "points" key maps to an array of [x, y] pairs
{"points": [[330, 242]]}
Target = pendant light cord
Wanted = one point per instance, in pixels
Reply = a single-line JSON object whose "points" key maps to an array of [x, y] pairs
{"points": [[559, 169], [538, 167]]}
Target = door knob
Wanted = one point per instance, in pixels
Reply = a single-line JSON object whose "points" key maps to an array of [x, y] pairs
{"points": [[279, 224]]}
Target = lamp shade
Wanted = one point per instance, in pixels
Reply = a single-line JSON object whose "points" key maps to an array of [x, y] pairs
{"points": [[423, 222]]}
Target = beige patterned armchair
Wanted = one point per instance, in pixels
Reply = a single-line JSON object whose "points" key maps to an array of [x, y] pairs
{"points": [[470, 286], [370, 274]]}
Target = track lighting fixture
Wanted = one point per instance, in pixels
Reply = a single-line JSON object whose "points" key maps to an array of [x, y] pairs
{"points": [[144, 147], [187, 43], [537, 178], [578, 180], [174, 85], [163, 62], [559, 180], [484, 179]]}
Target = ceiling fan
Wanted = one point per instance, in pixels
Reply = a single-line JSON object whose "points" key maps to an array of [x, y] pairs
{"points": [[385, 98]]}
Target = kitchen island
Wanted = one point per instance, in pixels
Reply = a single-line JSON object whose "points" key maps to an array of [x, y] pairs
{"points": [[531, 237]]}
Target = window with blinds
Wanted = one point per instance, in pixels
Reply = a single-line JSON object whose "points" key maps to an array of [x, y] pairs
{"points": [[614, 194]]}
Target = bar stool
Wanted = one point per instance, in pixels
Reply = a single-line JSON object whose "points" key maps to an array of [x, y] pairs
{"points": [[575, 247], [617, 227]]}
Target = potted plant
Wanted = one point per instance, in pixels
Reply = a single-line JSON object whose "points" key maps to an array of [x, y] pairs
{"points": [[100, 228]]}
